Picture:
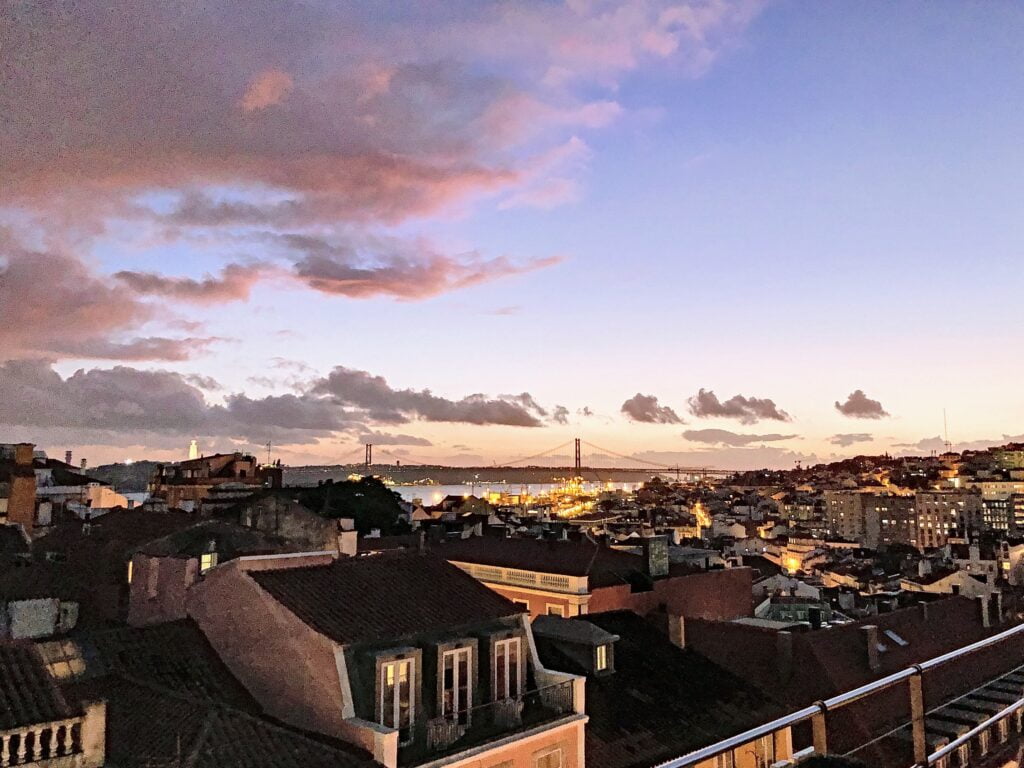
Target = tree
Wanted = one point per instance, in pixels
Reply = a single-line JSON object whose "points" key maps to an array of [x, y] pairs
{"points": [[367, 501]]}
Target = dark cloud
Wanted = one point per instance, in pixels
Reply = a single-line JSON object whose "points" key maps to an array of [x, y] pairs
{"points": [[645, 409], [233, 284], [725, 437], [860, 406], [385, 266], [384, 404], [586, 411], [749, 410], [560, 415], [203, 382], [52, 306], [384, 438], [846, 439]]}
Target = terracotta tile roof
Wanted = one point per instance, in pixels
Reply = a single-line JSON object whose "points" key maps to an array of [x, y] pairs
{"points": [[28, 695], [148, 725], [175, 655], [384, 596], [604, 566]]}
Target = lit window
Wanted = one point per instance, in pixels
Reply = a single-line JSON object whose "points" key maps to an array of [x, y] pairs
{"points": [[508, 675], [602, 658], [129, 571], [63, 659], [396, 707], [456, 685], [207, 561], [552, 759]]}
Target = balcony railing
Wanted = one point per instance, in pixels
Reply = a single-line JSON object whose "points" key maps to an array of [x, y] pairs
{"points": [[1010, 707], [487, 722], [42, 742]]}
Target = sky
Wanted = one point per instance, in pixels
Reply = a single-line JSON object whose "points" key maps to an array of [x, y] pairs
{"points": [[709, 233]]}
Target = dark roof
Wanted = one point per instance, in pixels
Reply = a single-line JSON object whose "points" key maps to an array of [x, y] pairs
{"points": [[383, 543], [578, 631], [175, 655], [229, 540], [28, 694], [117, 532], [603, 565], [148, 725], [26, 578], [661, 701], [12, 540], [384, 596]]}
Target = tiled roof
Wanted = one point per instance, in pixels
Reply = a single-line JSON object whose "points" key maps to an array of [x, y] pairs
{"points": [[27, 693], [603, 565], [12, 540], [661, 701], [175, 655], [229, 540], [148, 725], [384, 596]]}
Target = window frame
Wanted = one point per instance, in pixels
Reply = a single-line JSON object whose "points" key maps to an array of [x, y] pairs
{"points": [[508, 644], [559, 609], [395, 722], [601, 658], [457, 714], [546, 755]]}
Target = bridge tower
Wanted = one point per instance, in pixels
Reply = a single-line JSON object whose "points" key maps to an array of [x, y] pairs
{"points": [[369, 457], [579, 460]]}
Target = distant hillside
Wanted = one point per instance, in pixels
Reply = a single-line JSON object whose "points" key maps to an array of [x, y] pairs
{"points": [[126, 478]]}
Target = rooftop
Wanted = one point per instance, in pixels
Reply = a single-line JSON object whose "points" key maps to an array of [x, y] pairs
{"points": [[384, 596], [28, 695]]}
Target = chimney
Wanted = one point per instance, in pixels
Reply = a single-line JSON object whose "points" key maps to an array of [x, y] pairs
{"points": [[784, 651], [814, 614], [348, 537], [871, 641], [84, 464], [986, 618], [67, 457], [655, 553], [24, 454], [677, 630]]}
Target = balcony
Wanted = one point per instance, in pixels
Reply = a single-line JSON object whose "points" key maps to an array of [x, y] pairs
{"points": [[479, 725], [54, 745], [979, 728]]}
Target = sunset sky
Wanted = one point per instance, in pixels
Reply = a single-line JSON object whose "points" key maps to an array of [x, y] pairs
{"points": [[729, 234]]}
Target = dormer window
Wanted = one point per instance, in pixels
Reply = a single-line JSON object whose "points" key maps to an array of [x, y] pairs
{"points": [[508, 672], [457, 684], [396, 707], [206, 561]]}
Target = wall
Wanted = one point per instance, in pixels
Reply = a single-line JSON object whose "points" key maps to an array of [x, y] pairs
{"points": [[523, 750], [33, 618], [287, 666], [158, 589], [724, 594]]}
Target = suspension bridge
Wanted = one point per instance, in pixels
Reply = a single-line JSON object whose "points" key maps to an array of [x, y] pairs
{"points": [[579, 466]]}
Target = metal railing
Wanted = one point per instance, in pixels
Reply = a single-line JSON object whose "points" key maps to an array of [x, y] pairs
{"points": [[816, 713], [480, 724]]}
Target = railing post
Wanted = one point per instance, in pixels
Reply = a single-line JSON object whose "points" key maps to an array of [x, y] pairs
{"points": [[916, 685], [819, 729]]}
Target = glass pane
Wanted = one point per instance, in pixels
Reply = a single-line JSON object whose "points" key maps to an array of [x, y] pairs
{"points": [[513, 668]]}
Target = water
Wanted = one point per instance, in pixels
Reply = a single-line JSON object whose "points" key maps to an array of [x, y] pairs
{"points": [[432, 494]]}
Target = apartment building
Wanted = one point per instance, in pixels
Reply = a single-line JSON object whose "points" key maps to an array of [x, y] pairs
{"points": [[945, 515], [186, 484], [400, 654]]}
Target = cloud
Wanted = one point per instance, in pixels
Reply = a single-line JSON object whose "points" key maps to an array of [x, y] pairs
{"points": [[860, 406], [937, 445], [384, 266], [846, 439], [52, 306], [725, 437], [560, 415], [384, 438], [234, 284], [645, 409], [266, 89], [749, 410], [203, 382], [586, 411], [382, 403]]}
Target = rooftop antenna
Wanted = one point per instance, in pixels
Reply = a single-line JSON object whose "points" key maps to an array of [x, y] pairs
{"points": [[269, 445], [945, 429]]}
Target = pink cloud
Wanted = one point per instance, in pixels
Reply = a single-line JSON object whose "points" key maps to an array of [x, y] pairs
{"points": [[266, 89]]}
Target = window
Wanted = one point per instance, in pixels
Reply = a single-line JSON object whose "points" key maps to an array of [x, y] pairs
{"points": [[508, 673], [396, 706], [601, 661], [63, 659], [206, 561], [457, 684], [522, 603], [129, 571], [555, 609], [726, 760], [552, 759]]}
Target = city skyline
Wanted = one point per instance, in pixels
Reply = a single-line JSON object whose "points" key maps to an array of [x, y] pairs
{"points": [[731, 234]]}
